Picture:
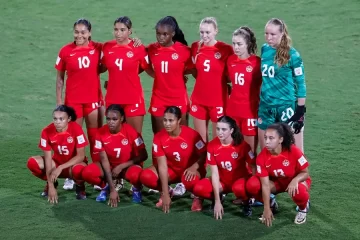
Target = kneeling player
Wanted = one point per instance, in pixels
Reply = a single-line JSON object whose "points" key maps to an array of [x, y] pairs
{"points": [[122, 152], [229, 157], [67, 140], [180, 157], [281, 167]]}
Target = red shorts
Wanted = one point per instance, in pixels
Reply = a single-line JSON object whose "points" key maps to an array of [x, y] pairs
{"points": [[83, 109], [66, 172], [206, 112], [132, 110], [248, 126], [158, 110], [281, 185]]}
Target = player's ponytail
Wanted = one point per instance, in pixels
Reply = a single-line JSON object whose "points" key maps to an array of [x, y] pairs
{"points": [[236, 134], [174, 110], [172, 22], [283, 50], [116, 108], [284, 131], [249, 38], [68, 110], [84, 22]]}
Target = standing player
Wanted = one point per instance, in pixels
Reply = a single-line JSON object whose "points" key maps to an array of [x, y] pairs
{"points": [[281, 167], [67, 141], [283, 90], [80, 61], [180, 153], [122, 152], [229, 158], [122, 60], [210, 93], [244, 72], [170, 57]]}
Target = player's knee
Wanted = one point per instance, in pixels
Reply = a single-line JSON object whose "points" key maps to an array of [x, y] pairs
{"points": [[238, 188], [149, 179], [77, 171], [189, 185], [133, 174], [253, 186], [302, 196], [33, 166], [91, 173], [203, 188]]}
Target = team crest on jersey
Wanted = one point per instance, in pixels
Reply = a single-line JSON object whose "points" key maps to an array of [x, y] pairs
{"points": [[194, 108], [70, 139], [259, 121], [249, 68], [124, 141], [129, 54], [234, 155], [175, 56], [217, 55], [154, 109], [92, 52], [183, 145], [286, 163]]}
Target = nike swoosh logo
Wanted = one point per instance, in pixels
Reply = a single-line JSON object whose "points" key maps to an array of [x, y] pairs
{"points": [[133, 110], [53, 141], [111, 52], [156, 54], [165, 146], [105, 143], [233, 65], [72, 54], [268, 166], [216, 154]]}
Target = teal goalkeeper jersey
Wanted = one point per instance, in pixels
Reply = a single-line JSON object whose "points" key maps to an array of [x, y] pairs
{"points": [[281, 85]]}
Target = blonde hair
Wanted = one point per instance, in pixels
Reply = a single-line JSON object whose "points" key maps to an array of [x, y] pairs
{"points": [[283, 50], [249, 38], [210, 20]]}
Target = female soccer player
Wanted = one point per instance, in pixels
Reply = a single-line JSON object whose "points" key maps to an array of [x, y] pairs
{"points": [[229, 158], [210, 93], [180, 157], [243, 69], [80, 61], [281, 167], [170, 58], [283, 90], [122, 60], [122, 152], [67, 141]]}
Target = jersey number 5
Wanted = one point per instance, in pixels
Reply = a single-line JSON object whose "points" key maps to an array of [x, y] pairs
{"points": [[207, 65]]}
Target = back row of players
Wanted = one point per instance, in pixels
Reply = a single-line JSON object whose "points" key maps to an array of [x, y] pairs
{"points": [[263, 91]]}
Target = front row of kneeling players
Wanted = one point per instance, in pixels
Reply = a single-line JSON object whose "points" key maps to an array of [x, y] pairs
{"points": [[180, 155]]}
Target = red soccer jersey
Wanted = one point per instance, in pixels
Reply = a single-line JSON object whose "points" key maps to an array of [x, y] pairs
{"points": [[119, 147], [182, 151], [283, 167], [230, 160], [210, 86], [64, 144], [81, 65], [169, 64], [245, 77], [122, 62]]}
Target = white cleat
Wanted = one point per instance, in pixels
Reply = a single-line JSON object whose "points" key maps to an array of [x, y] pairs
{"points": [[97, 188], [300, 217], [68, 184], [179, 190]]}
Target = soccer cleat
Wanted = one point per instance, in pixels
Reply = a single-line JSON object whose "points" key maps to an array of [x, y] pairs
{"points": [[237, 201], [300, 217], [80, 191], [46, 189], [179, 189], [160, 202], [197, 204], [247, 210], [97, 188], [136, 195], [103, 194], [274, 206], [68, 184], [307, 206], [153, 191]]}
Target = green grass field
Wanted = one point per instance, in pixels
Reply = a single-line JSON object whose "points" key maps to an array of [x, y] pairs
{"points": [[325, 32]]}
